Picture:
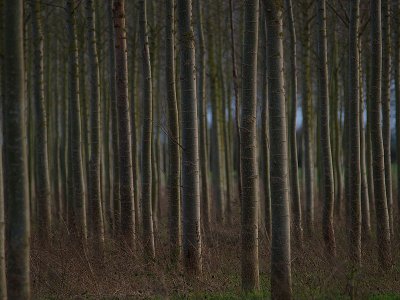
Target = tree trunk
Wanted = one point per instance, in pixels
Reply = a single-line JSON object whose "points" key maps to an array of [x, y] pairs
{"points": [[265, 131], [148, 234], [41, 164], [114, 122], [94, 195], [382, 217], [15, 154], [190, 154], [280, 250], [295, 191], [386, 66], [204, 161], [3, 282], [174, 169], [396, 63], [354, 137], [124, 132], [307, 110], [327, 170], [236, 90], [249, 175], [365, 208], [76, 177]]}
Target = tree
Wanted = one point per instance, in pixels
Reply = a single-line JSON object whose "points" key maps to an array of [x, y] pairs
{"points": [[15, 154], [265, 130], [189, 131], [3, 282], [236, 92], [354, 136], [307, 110], [386, 63], [173, 143], [94, 199], [378, 164], [280, 249], [294, 180], [365, 206], [77, 209], [216, 133], [248, 150], [114, 121], [201, 90], [41, 120], [327, 169], [124, 132], [148, 233], [396, 66]]}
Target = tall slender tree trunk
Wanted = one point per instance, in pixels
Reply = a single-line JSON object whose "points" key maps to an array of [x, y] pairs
{"points": [[94, 195], [3, 281], [148, 233], [201, 94], [217, 153], [41, 162], [368, 144], [326, 153], [382, 217], [174, 169], [124, 132], [236, 91], [280, 250], [265, 130], [134, 125], [396, 63], [190, 154], [354, 136], [15, 154], [114, 121], [386, 66], [307, 109], [75, 160], [365, 207], [294, 180], [249, 175]]}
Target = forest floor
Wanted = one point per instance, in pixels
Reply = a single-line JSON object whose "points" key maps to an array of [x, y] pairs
{"points": [[65, 272]]}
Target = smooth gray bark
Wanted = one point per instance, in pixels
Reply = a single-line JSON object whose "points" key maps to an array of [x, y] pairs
{"points": [[189, 130], [248, 149]]}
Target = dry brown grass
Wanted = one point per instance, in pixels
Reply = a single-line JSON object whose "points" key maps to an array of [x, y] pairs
{"points": [[64, 271]]}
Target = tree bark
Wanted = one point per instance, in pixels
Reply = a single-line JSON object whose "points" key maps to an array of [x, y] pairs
{"points": [[280, 250], [174, 169], [327, 169], [124, 132], [190, 154], [204, 157], [386, 72], [294, 180], [94, 195], [148, 233], [382, 217], [15, 154], [248, 150], [307, 109], [42, 182], [77, 209], [265, 130], [354, 137]]}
